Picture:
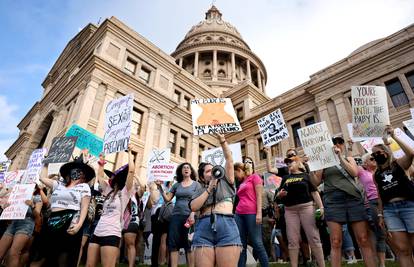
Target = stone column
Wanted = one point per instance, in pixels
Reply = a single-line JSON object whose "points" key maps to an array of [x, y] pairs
{"points": [[323, 114], [214, 77], [342, 114], [164, 132], [249, 71], [259, 79], [233, 68], [83, 112], [263, 85], [196, 64], [180, 62], [149, 140], [194, 150], [251, 148]]}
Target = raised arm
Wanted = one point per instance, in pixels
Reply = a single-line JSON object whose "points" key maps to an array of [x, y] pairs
{"points": [[46, 180], [348, 163], [407, 160], [228, 157], [167, 196], [131, 170], [269, 166]]}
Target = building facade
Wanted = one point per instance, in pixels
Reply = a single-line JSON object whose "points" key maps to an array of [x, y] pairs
{"points": [[106, 62]]}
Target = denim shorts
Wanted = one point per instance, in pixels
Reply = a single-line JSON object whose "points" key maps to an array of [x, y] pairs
{"points": [[25, 227], [343, 208], [226, 232], [399, 216]]}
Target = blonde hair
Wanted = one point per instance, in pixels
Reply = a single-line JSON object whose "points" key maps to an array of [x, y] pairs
{"points": [[246, 167]]}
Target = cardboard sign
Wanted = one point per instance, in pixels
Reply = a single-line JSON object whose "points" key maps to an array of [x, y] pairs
{"points": [[271, 181], [215, 156], [214, 115], [118, 121], [159, 156], [61, 149], [34, 166], [4, 167], [351, 134], [369, 111], [272, 128], [317, 145], [17, 209], [86, 140], [161, 171], [53, 168], [410, 125]]}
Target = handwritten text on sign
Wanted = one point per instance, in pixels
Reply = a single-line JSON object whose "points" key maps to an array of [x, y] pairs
{"points": [[118, 121], [214, 115], [61, 149], [86, 140], [162, 172], [317, 145], [273, 128], [4, 166], [34, 166], [17, 209], [369, 111], [215, 156]]}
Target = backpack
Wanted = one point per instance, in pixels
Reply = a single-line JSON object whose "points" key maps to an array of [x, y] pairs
{"points": [[165, 212]]}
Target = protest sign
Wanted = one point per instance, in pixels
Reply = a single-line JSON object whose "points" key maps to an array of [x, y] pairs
{"points": [[4, 166], [161, 171], [271, 181], [395, 148], [214, 115], [280, 163], [118, 121], [53, 168], [34, 166], [272, 128], [61, 149], [410, 125], [351, 134], [13, 177], [86, 140], [369, 111], [370, 142], [317, 145], [215, 156], [159, 156], [17, 207]]}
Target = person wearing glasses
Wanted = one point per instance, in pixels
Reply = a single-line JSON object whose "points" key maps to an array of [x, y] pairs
{"points": [[396, 191], [366, 178], [344, 203]]}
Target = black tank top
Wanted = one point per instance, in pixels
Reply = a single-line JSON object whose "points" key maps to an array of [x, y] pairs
{"points": [[393, 182]]}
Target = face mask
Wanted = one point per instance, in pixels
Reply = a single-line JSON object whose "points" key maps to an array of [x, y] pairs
{"points": [[75, 174], [380, 159]]}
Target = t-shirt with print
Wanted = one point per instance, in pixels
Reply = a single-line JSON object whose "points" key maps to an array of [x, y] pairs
{"points": [[111, 221], [367, 180], [68, 198], [247, 195], [298, 187], [96, 192], [183, 195]]}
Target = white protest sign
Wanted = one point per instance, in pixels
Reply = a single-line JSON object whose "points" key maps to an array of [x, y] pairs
{"points": [[395, 148], [214, 115], [351, 135], [118, 120], [215, 156], [17, 209], [4, 167], [317, 145], [13, 177], [53, 168], [369, 111], [280, 163], [410, 125], [161, 171], [272, 128], [159, 156], [370, 142], [412, 113], [34, 166]]}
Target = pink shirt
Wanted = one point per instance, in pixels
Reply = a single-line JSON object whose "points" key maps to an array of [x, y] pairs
{"points": [[247, 195], [111, 220], [367, 180]]}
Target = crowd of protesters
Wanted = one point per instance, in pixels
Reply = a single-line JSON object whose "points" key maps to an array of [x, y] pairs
{"points": [[85, 216]]}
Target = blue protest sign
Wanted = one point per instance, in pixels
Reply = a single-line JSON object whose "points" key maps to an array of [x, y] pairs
{"points": [[86, 140]]}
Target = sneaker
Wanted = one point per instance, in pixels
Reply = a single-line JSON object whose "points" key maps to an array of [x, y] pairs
{"points": [[351, 260]]}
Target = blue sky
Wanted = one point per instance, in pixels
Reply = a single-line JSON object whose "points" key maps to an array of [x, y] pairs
{"points": [[294, 38]]}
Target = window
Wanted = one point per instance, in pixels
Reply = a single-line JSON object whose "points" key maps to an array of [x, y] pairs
{"points": [[172, 140], [309, 121], [262, 154], [239, 113], [177, 96], [187, 102], [396, 92], [183, 146], [131, 65], [295, 128], [201, 148], [410, 78], [136, 121], [243, 149], [144, 74]]}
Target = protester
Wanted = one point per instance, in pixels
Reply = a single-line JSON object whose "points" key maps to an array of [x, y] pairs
{"points": [[183, 190], [297, 192], [118, 190], [344, 203], [216, 238], [69, 207], [396, 191], [249, 212]]}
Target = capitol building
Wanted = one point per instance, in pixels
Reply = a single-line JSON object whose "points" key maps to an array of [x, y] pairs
{"points": [[106, 61]]}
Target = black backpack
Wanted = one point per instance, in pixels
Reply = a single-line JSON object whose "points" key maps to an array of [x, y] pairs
{"points": [[165, 212]]}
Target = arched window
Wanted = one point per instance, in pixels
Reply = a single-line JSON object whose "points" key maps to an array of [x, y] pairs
{"points": [[221, 73], [207, 73]]}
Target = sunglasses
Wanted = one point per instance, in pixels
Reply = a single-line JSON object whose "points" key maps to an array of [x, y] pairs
{"points": [[338, 141], [248, 162], [291, 155], [371, 159], [376, 154]]}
